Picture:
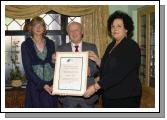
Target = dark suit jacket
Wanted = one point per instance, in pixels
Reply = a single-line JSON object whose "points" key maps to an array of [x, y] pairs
{"points": [[119, 75], [93, 68]]}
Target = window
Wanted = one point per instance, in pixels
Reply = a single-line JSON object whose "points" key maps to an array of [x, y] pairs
{"points": [[56, 31], [146, 37]]}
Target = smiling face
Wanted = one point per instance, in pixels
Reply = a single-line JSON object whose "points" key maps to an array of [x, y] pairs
{"points": [[75, 32], [118, 30], [38, 29]]}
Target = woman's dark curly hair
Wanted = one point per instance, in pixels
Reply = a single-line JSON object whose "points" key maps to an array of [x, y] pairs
{"points": [[127, 21]]}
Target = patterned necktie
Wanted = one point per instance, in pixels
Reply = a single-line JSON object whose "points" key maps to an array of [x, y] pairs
{"points": [[76, 48]]}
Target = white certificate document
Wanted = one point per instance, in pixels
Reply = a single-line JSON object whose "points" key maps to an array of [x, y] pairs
{"points": [[70, 76]]}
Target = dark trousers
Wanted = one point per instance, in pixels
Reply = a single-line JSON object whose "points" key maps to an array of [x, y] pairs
{"points": [[77, 102], [130, 102]]}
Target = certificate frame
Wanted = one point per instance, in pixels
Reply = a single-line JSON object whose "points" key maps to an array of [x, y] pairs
{"points": [[70, 75]]}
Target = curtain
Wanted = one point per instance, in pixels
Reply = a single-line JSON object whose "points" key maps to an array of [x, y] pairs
{"points": [[95, 28], [93, 19]]}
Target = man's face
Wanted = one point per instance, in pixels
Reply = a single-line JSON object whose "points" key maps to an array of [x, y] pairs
{"points": [[75, 32]]}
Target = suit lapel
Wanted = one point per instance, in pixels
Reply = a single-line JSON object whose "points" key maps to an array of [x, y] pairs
{"points": [[84, 47], [69, 48]]}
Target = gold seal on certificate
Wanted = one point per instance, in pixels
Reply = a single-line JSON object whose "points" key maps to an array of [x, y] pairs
{"points": [[70, 76]]}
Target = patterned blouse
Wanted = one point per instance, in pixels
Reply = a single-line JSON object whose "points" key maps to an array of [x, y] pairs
{"points": [[44, 72]]}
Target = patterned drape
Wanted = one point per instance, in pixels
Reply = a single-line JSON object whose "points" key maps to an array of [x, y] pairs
{"points": [[93, 19]]}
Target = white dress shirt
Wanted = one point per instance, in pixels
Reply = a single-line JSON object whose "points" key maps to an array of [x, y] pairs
{"points": [[79, 47]]}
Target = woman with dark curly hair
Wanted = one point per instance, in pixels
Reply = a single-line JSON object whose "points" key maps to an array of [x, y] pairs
{"points": [[119, 67]]}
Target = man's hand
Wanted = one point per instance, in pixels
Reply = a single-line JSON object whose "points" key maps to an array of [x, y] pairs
{"points": [[88, 72], [94, 57], [90, 91], [53, 57]]}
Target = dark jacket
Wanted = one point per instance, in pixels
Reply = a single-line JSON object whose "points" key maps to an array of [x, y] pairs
{"points": [[36, 96], [119, 70]]}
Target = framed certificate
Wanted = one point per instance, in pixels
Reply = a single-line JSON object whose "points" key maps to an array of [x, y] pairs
{"points": [[70, 76]]}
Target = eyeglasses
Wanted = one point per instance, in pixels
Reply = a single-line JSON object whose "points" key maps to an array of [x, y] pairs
{"points": [[77, 31]]}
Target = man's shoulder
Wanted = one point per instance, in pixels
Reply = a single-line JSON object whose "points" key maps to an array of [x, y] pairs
{"points": [[64, 46], [88, 44]]}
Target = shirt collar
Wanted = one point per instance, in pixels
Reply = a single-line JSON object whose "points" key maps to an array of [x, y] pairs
{"points": [[79, 46], [73, 44]]}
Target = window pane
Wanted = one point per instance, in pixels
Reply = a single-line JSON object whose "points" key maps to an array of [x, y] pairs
{"points": [[56, 17], [53, 21], [7, 58], [54, 26], [8, 20], [67, 39], [74, 19], [143, 49], [20, 22], [152, 49], [14, 24], [8, 43], [8, 66], [18, 39], [47, 19], [56, 39]]}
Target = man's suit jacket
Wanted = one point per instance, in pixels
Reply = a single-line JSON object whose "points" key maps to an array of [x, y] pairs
{"points": [[93, 67]]}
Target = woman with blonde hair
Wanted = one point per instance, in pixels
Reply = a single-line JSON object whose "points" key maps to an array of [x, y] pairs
{"points": [[37, 53]]}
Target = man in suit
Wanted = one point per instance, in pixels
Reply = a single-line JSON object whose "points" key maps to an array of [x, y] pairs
{"points": [[76, 44]]}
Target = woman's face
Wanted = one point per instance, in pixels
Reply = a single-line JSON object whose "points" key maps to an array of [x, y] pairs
{"points": [[117, 30], [38, 29]]}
